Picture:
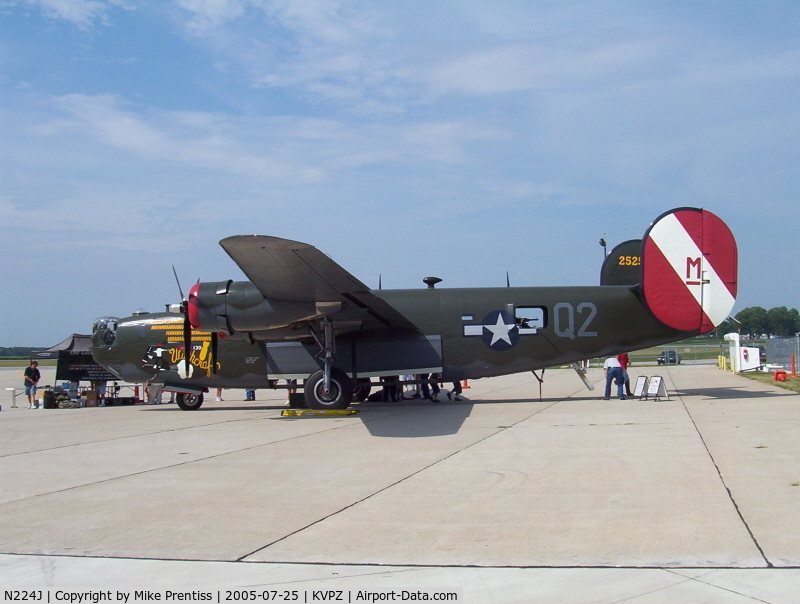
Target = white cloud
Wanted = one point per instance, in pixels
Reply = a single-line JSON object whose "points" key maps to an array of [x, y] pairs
{"points": [[201, 140], [286, 149], [328, 21], [341, 51], [531, 67], [82, 13], [388, 59], [211, 14]]}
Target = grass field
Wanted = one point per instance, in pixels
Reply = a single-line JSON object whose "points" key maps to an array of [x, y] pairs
{"points": [[792, 384], [689, 351], [24, 363]]}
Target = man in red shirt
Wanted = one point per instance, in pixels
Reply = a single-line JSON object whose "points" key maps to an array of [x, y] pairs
{"points": [[624, 362]]}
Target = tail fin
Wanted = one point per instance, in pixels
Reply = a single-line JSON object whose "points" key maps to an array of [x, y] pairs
{"points": [[689, 266], [623, 265]]}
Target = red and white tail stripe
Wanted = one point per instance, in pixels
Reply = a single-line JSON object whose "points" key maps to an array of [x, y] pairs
{"points": [[689, 263]]}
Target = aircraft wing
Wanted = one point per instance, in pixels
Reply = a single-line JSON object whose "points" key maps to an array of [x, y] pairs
{"points": [[283, 269]]}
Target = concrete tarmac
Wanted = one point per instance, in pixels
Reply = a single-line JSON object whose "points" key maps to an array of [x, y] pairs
{"points": [[503, 497]]}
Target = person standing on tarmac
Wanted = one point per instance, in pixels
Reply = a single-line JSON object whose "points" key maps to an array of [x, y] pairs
{"points": [[32, 377], [624, 362], [613, 372], [455, 392], [435, 389]]}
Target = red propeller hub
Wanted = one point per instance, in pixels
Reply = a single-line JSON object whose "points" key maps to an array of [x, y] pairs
{"points": [[192, 309]]}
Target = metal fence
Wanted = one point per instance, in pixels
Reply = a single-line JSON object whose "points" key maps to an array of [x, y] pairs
{"points": [[779, 352]]}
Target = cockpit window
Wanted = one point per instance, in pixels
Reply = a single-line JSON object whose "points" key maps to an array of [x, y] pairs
{"points": [[105, 330]]}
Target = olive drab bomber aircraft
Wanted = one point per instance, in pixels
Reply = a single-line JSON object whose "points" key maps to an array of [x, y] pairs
{"points": [[302, 316]]}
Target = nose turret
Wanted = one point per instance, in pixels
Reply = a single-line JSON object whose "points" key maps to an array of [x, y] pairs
{"points": [[104, 334], [104, 331]]}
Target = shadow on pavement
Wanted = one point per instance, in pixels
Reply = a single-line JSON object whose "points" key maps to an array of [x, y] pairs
{"points": [[730, 393], [416, 420]]}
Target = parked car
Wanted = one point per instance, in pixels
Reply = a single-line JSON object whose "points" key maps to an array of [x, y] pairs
{"points": [[669, 357]]}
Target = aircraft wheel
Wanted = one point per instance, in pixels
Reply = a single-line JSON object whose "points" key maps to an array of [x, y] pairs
{"points": [[189, 402], [339, 396], [362, 389]]}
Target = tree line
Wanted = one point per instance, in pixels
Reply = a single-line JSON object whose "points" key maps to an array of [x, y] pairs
{"points": [[17, 351], [754, 320]]}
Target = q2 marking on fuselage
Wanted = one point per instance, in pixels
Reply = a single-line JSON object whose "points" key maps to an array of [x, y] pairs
{"points": [[567, 316]]}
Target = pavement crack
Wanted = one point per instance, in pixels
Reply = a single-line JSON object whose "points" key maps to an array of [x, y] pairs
{"points": [[139, 435], [169, 466], [699, 580], [395, 483], [724, 484]]}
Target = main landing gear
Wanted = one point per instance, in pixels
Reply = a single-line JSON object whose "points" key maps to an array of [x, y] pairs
{"points": [[337, 395], [330, 387]]}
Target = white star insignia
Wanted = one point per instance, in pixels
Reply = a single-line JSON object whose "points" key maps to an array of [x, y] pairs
{"points": [[500, 331]]}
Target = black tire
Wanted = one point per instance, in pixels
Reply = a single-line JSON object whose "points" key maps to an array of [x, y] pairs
{"points": [[361, 389], [189, 402], [340, 395]]}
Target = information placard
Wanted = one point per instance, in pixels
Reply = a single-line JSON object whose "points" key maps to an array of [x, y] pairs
{"points": [[641, 386], [657, 389]]}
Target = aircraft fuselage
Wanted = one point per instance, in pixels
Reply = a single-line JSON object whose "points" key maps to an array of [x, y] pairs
{"points": [[462, 333]]}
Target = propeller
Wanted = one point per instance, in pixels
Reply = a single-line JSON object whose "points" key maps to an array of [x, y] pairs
{"points": [[214, 340], [187, 326], [214, 343], [178, 281]]}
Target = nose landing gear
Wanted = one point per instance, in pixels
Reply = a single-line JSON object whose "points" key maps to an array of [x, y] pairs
{"points": [[189, 402]]}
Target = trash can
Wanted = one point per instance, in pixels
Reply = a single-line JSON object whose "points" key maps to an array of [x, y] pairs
{"points": [[297, 400], [49, 399]]}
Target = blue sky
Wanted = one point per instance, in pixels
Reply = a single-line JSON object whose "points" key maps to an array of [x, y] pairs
{"points": [[457, 139]]}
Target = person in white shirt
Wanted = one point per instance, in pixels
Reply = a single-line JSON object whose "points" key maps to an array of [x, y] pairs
{"points": [[613, 371]]}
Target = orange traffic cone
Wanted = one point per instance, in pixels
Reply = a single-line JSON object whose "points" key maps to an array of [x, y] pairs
{"points": [[465, 385]]}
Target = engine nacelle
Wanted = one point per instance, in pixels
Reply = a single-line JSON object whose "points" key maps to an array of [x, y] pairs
{"points": [[231, 306]]}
